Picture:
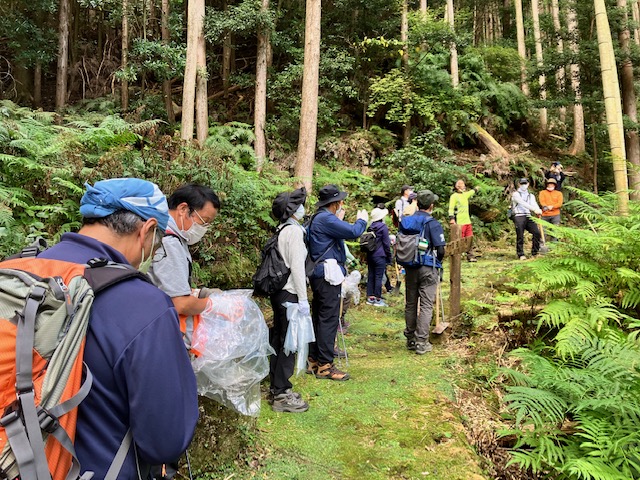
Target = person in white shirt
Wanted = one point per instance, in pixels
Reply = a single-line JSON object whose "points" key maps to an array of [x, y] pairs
{"points": [[524, 204]]}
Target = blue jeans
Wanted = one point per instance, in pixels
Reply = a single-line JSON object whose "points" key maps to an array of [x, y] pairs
{"points": [[376, 267]]}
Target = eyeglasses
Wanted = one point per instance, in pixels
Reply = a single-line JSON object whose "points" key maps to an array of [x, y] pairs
{"points": [[160, 254], [204, 224]]}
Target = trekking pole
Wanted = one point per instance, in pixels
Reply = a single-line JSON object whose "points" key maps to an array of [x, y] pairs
{"points": [[186, 455], [341, 330]]}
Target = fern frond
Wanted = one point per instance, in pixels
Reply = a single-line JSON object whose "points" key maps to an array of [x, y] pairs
{"points": [[540, 406]]}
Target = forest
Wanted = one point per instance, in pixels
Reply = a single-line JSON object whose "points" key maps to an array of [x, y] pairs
{"points": [[253, 97]]}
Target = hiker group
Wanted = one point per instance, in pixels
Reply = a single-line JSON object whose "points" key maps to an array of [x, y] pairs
{"points": [[123, 286]]}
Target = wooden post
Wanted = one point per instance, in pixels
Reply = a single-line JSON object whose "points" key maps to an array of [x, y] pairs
{"points": [[455, 264]]}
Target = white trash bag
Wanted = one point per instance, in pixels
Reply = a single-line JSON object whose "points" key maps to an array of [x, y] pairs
{"points": [[299, 335], [350, 286], [233, 342]]}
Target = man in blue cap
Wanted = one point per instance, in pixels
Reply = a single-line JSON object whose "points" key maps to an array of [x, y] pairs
{"points": [[143, 381]]}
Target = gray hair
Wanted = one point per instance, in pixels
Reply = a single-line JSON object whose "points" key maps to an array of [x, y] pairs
{"points": [[123, 222]]}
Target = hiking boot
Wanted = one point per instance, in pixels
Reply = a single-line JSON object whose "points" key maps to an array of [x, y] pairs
{"points": [[312, 366], [411, 344], [371, 301], [523, 257], [472, 259], [337, 353], [289, 402], [271, 396], [380, 303], [330, 372], [423, 347]]}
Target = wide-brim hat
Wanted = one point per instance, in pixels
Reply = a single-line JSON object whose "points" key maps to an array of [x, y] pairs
{"points": [[286, 203], [378, 214], [329, 194], [551, 180]]}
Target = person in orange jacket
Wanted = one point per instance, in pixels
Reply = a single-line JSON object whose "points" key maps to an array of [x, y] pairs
{"points": [[551, 202]]}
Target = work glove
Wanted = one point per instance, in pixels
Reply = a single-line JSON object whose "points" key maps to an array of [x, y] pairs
{"points": [[303, 308], [538, 211], [363, 215], [205, 292]]}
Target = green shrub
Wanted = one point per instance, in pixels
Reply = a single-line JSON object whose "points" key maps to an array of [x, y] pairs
{"points": [[576, 395]]}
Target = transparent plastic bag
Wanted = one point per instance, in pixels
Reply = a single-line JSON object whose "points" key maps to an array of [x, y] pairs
{"points": [[299, 335], [350, 286], [233, 341]]}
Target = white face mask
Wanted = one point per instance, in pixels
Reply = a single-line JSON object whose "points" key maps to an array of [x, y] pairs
{"points": [[145, 264], [195, 232], [299, 213], [523, 187], [551, 188]]}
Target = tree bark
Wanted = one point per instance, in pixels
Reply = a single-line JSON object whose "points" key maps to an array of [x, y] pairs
{"points": [[560, 73], [37, 85], [194, 29], [423, 6], [260, 107], [124, 88], [629, 105], [455, 78], [309, 107], [542, 79], [489, 142], [166, 84], [577, 145], [63, 55], [522, 49], [404, 38], [613, 108], [635, 15], [202, 109]]}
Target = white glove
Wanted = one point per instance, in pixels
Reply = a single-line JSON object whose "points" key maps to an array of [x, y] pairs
{"points": [[303, 308], [538, 211], [363, 215]]}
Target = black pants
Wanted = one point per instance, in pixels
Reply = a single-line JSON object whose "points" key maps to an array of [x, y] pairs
{"points": [[376, 268], [280, 365], [325, 309], [523, 223]]}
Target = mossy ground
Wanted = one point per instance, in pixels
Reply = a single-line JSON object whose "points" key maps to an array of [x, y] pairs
{"points": [[402, 415]]}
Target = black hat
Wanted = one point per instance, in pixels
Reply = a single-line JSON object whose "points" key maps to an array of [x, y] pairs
{"points": [[329, 194], [286, 203], [426, 198], [522, 181], [404, 188]]}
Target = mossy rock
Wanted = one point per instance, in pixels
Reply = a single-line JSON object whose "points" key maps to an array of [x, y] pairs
{"points": [[221, 437]]}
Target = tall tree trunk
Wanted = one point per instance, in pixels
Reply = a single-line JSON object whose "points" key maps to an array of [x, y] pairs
{"points": [[423, 6], [37, 85], [455, 78], [635, 15], [202, 109], [309, 107], [404, 38], [506, 19], [560, 73], [166, 84], [194, 30], [629, 104], [542, 79], [577, 145], [522, 49], [613, 108], [124, 91], [62, 71], [260, 108]]}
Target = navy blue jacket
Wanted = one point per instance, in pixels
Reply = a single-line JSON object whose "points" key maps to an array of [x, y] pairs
{"points": [[383, 243], [143, 378], [414, 224], [326, 229]]}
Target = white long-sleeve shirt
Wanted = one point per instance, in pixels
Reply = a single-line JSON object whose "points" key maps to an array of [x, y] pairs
{"points": [[524, 203], [294, 253]]}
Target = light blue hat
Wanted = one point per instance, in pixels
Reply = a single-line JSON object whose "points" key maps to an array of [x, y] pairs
{"points": [[133, 194]]}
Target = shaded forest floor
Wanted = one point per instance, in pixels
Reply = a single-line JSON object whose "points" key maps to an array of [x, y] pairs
{"points": [[405, 416]]}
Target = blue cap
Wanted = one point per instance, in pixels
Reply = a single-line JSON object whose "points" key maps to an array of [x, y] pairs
{"points": [[133, 194]]}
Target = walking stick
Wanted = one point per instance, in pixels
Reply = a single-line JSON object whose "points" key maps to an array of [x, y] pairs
{"points": [[340, 329]]}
